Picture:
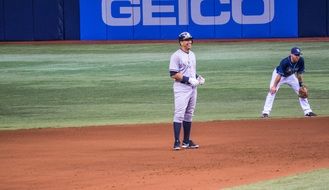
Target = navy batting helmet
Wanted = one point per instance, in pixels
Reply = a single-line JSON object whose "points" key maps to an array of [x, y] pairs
{"points": [[185, 36]]}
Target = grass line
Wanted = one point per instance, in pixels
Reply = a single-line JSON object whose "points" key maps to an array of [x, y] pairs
{"points": [[315, 180]]}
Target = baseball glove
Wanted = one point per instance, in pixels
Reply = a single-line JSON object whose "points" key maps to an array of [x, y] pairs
{"points": [[303, 92]]}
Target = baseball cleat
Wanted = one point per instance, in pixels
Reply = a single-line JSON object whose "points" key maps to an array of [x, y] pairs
{"points": [[310, 114], [185, 145], [190, 144], [264, 115], [176, 145]]}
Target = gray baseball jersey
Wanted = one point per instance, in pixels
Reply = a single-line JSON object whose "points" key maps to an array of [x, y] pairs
{"points": [[185, 95]]}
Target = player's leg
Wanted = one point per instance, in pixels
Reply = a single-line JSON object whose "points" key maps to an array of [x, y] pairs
{"points": [[181, 99], [177, 128], [187, 123], [304, 104], [270, 97]]}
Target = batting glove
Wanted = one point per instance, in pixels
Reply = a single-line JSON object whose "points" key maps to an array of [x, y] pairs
{"points": [[201, 80], [194, 82]]}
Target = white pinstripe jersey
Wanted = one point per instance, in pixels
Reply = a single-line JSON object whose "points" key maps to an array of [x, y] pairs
{"points": [[184, 63]]}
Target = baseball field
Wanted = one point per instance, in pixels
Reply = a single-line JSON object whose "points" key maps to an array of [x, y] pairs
{"points": [[94, 115]]}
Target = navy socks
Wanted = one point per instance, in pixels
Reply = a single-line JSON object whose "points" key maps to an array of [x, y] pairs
{"points": [[187, 130], [177, 127]]}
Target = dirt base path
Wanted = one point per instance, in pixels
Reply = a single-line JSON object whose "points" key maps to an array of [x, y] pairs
{"points": [[140, 157]]}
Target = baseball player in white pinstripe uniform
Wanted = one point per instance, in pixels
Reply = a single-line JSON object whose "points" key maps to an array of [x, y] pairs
{"points": [[182, 69]]}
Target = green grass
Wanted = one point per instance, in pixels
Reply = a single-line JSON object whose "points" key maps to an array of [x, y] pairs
{"points": [[316, 180], [79, 85]]}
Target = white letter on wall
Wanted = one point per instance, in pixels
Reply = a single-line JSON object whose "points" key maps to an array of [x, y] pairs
{"points": [[134, 13], [264, 18]]}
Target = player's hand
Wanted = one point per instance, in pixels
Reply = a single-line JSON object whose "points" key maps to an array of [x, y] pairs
{"points": [[201, 80], [177, 77], [273, 90], [194, 82]]}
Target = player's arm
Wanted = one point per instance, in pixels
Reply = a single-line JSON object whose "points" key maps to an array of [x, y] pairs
{"points": [[177, 76], [280, 72], [300, 79], [275, 84], [174, 69], [300, 72]]}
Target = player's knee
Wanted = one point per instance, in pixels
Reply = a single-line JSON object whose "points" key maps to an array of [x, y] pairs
{"points": [[179, 118], [188, 117]]}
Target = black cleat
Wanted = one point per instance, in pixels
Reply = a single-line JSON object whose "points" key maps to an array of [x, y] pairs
{"points": [[264, 115], [310, 114], [190, 144], [176, 145]]}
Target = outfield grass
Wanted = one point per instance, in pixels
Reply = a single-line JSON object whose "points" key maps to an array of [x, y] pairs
{"points": [[316, 180], [77, 85]]}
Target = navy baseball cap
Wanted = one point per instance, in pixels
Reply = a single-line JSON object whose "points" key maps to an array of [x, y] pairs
{"points": [[296, 51]]}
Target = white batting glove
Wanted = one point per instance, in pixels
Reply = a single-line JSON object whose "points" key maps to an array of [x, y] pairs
{"points": [[201, 80], [194, 82]]}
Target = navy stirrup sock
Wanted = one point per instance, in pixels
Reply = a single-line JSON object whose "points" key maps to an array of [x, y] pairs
{"points": [[177, 127], [187, 130]]}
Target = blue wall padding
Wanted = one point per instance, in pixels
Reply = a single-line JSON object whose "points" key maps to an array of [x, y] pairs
{"points": [[207, 19], [313, 18], [253, 30], [327, 18], [71, 20], [2, 20], [26, 20], [48, 19], [286, 24], [18, 22], [93, 21]]}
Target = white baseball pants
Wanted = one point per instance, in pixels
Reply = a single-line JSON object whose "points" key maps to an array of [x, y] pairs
{"points": [[292, 81], [185, 102]]}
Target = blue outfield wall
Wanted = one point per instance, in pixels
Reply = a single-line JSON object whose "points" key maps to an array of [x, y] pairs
{"points": [[28, 20], [205, 19], [51, 15], [2, 27], [71, 20], [18, 16], [313, 18]]}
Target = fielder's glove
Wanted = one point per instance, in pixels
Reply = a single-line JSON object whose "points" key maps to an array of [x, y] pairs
{"points": [[303, 92], [201, 80]]}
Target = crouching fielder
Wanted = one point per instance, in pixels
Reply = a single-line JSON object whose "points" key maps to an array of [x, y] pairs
{"points": [[290, 72]]}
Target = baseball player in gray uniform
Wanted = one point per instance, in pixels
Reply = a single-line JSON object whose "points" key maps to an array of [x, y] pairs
{"points": [[289, 71], [182, 69]]}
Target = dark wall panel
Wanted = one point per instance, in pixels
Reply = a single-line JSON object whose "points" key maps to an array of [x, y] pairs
{"points": [[2, 20], [48, 20], [71, 20], [327, 18], [312, 18], [18, 22]]}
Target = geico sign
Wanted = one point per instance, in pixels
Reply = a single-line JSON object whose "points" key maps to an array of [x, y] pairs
{"points": [[130, 13]]}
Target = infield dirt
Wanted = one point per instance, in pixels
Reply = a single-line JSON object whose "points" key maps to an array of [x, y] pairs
{"points": [[137, 157]]}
